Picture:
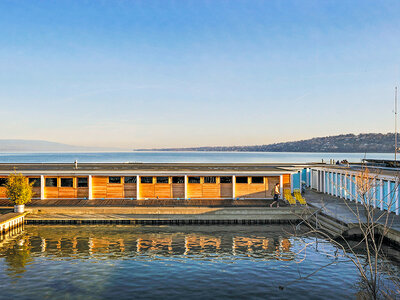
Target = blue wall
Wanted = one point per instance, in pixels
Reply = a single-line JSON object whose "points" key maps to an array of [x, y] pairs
{"points": [[296, 179]]}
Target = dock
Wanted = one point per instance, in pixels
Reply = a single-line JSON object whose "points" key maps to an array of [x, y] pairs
{"points": [[10, 222], [165, 215], [336, 218]]}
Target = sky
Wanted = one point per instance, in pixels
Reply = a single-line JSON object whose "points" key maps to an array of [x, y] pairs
{"points": [[153, 74]]}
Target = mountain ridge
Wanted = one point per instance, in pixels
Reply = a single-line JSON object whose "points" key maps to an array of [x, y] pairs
{"points": [[350, 143], [21, 145]]}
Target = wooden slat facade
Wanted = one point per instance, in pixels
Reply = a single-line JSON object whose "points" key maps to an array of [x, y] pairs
{"points": [[103, 189]]}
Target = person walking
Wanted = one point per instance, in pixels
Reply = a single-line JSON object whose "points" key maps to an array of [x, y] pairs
{"points": [[276, 192]]}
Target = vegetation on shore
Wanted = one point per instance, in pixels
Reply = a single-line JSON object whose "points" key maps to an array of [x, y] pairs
{"points": [[365, 142]]}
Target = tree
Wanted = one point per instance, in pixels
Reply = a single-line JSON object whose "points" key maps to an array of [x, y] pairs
{"points": [[18, 190], [371, 228]]}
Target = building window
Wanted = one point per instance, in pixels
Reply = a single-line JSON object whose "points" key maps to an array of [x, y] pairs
{"points": [[162, 179], [179, 179], [225, 179], [241, 179], [146, 179], [130, 179], [35, 181], [114, 179], [194, 179], [210, 179], [3, 181], [257, 179], [51, 182], [67, 182], [82, 182]]}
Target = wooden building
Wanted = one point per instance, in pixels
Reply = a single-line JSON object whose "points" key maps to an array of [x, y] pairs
{"points": [[153, 181]]}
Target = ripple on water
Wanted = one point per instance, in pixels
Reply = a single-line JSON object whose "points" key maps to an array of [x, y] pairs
{"points": [[95, 262]]}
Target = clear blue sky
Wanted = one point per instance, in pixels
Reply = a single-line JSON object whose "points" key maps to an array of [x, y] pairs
{"points": [[190, 73]]}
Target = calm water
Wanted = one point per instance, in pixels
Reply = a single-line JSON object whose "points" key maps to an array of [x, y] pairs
{"points": [[167, 262], [186, 157]]}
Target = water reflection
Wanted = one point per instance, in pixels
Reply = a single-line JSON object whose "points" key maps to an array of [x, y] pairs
{"points": [[17, 257], [168, 262], [105, 241]]}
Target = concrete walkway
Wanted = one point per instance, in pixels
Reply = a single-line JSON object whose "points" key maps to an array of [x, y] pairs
{"points": [[340, 209]]}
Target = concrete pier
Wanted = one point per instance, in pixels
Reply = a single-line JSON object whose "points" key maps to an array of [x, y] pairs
{"points": [[11, 221], [165, 215], [338, 216]]}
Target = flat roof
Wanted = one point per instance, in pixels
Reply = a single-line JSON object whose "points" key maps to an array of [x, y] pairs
{"points": [[385, 171], [156, 168]]}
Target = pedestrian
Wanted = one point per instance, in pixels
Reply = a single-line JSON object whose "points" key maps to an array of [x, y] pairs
{"points": [[276, 192]]}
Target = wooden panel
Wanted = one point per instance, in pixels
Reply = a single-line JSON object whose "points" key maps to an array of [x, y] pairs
{"points": [[286, 181], [162, 190], [242, 189], [211, 190], [115, 190], [226, 190], [36, 192], [99, 186], [82, 192], [178, 190], [3, 192], [195, 190], [66, 192], [51, 192], [147, 190], [271, 182], [130, 190], [256, 190]]}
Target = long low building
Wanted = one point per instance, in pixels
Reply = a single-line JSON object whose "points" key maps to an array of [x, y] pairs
{"points": [[155, 180], [344, 181]]}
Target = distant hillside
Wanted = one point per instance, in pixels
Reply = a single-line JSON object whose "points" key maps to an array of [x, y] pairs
{"points": [[366, 142], [42, 146]]}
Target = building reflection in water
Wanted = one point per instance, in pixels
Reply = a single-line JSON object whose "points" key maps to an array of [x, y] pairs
{"points": [[86, 242]]}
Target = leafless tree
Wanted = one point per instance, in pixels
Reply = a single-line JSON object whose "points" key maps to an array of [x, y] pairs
{"points": [[362, 242]]}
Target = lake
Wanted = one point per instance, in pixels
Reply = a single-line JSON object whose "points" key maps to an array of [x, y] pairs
{"points": [[173, 262], [207, 157]]}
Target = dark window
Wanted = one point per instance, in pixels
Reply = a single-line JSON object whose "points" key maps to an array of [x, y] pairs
{"points": [[178, 179], [162, 179], [82, 182], [51, 182], [67, 182], [146, 179], [194, 179], [36, 181], [3, 181], [210, 179], [114, 179], [130, 179], [225, 179], [257, 179], [241, 179]]}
